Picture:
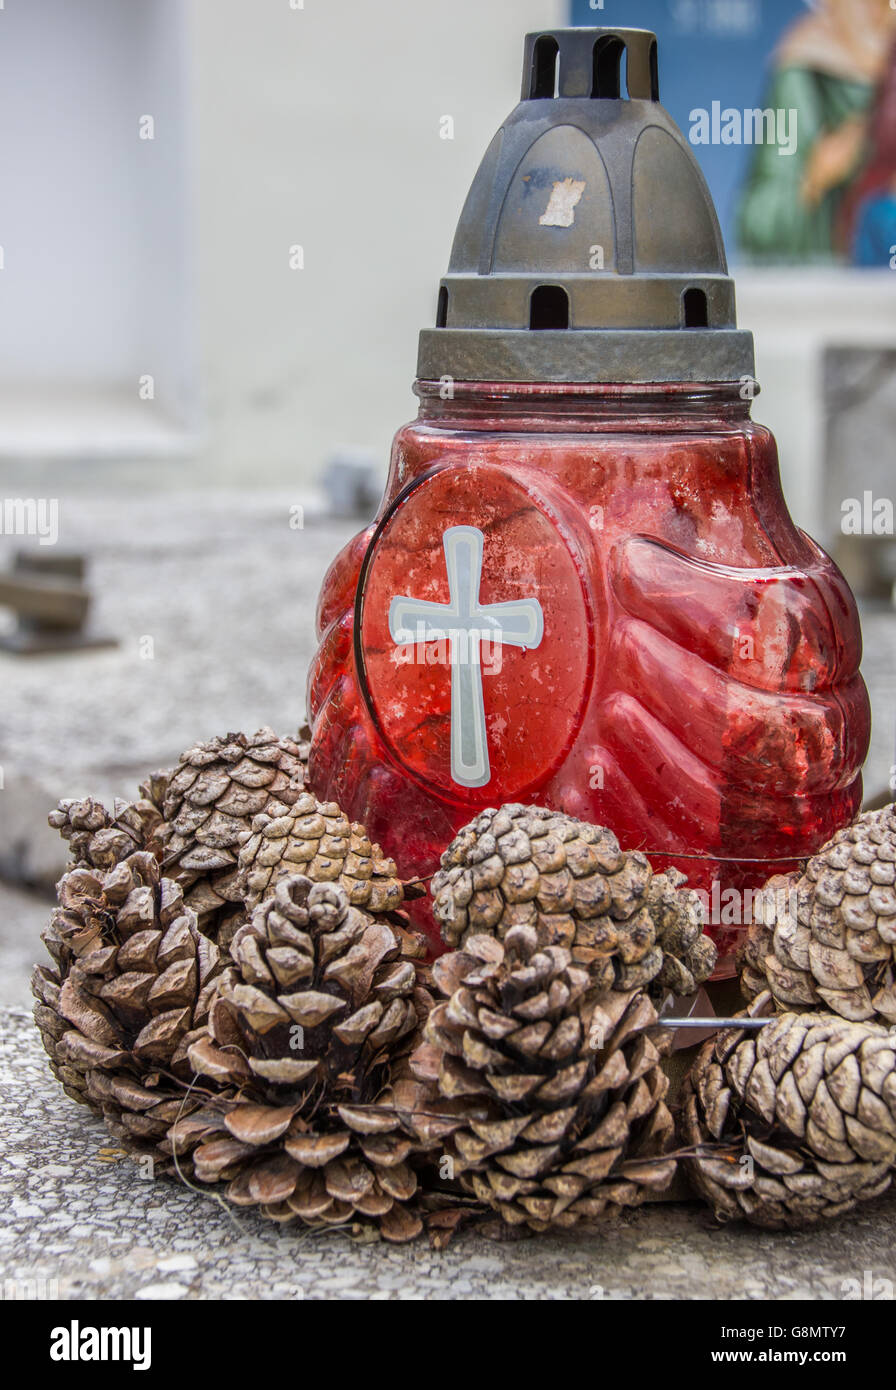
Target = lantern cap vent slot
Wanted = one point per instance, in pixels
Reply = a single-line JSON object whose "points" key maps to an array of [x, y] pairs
{"points": [[587, 63]]}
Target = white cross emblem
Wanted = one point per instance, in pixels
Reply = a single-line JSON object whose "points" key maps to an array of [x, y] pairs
{"points": [[466, 623]]}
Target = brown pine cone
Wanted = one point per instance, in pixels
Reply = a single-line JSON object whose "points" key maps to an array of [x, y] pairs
{"points": [[794, 1123], [209, 802], [316, 839], [689, 956], [99, 839], [310, 1024], [559, 1096], [828, 938], [131, 984], [527, 865], [195, 818]]}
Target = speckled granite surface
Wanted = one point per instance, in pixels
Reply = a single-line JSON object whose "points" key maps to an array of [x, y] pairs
{"points": [[79, 1222]]}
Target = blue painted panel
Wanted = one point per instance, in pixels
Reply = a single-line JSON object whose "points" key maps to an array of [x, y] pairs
{"points": [[709, 50]]}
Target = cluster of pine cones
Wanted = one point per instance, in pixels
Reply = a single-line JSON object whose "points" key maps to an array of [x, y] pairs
{"points": [[236, 988]]}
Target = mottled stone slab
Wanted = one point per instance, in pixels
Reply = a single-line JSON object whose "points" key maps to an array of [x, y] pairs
{"points": [[79, 1222]]}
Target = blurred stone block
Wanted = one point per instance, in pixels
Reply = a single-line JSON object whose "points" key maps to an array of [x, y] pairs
{"points": [[51, 601], [31, 853], [353, 483]]}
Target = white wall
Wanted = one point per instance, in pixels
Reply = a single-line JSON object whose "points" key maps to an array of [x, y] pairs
{"points": [[321, 127], [94, 291]]}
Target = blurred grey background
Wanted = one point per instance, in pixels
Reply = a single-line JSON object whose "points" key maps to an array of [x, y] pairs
{"points": [[275, 126]]}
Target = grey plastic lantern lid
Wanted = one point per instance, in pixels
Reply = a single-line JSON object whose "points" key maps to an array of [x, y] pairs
{"points": [[588, 249]]}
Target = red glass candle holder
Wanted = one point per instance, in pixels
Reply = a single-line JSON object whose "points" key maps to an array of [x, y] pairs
{"points": [[583, 587]]}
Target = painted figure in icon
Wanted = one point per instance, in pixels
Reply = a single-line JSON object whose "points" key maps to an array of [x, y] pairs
{"points": [[835, 199]]}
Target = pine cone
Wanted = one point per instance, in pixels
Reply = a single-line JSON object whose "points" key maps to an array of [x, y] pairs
{"points": [[311, 1021], [315, 838], [829, 937], [795, 1123], [527, 865], [560, 1098], [132, 981], [209, 802], [689, 956], [195, 818], [100, 840]]}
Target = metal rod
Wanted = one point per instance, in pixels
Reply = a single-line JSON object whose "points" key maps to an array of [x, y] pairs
{"points": [[714, 1022]]}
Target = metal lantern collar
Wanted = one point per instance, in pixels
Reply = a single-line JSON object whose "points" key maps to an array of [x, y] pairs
{"points": [[588, 249]]}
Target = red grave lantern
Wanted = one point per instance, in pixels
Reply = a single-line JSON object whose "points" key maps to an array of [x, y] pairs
{"points": [[583, 588]]}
